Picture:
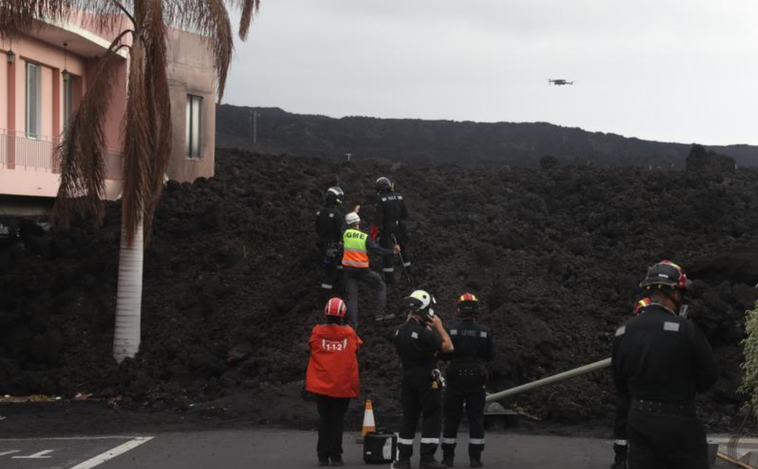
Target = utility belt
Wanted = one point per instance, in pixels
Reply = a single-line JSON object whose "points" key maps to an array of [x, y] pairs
{"points": [[333, 250], [664, 408], [469, 373]]}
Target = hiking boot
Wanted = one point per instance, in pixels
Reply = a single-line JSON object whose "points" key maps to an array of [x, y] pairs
{"points": [[402, 464], [447, 461], [338, 462], [323, 462], [476, 462], [431, 464]]}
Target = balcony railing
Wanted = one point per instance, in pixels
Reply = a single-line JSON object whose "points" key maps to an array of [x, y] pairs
{"points": [[22, 153]]}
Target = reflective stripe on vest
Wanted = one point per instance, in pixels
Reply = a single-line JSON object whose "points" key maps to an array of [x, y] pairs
{"points": [[354, 249]]}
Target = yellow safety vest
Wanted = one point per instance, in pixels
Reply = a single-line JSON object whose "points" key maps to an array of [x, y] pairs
{"points": [[355, 253]]}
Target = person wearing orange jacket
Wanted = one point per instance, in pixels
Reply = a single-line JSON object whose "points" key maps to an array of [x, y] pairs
{"points": [[333, 377]]}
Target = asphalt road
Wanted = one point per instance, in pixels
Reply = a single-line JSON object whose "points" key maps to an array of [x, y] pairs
{"points": [[274, 449]]}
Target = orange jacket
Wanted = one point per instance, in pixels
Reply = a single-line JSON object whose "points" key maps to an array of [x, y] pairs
{"points": [[333, 366]]}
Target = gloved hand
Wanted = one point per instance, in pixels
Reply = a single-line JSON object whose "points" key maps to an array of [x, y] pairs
{"points": [[437, 376]]}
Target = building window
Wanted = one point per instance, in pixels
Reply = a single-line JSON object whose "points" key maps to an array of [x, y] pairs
{"points": [[33, 100], [194, 126], [68, 98]]}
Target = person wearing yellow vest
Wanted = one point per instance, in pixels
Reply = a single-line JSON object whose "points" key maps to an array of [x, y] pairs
{"points": [[355, 261]]}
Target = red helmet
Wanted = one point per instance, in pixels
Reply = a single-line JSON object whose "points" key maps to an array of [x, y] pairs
{"points": [[468, 305], [335, 307], [641, 304]]}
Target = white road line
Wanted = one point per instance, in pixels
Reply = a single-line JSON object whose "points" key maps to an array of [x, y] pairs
{"points": [[5, 453], [72, 438], [40, 455], [112, 453]]}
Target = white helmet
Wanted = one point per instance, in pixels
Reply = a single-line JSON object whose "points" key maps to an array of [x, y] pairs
{"points": [[352, 218], [421, 302]]}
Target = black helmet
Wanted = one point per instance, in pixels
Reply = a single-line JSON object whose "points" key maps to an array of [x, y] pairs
{"points": [[383, 185], [420, 302], [334, 195], [667, 274]]}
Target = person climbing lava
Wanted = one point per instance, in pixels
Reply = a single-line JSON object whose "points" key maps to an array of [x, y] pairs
{"points": [[391, 214], [355, 261]]}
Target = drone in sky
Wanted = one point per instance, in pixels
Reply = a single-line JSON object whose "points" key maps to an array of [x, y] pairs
{"points": [[559, 81]]}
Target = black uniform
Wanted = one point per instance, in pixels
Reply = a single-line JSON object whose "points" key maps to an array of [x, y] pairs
{"points": [[417, 344], [390, 217], [330, 224], [466, 379], [660, 361]]}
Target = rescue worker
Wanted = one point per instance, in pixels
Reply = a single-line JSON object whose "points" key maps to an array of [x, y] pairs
{"points": [[391, 214], [418, 342], [466, 380], [622, 410], [330, 224], [660, 360], [333, 377], [355, 261]]}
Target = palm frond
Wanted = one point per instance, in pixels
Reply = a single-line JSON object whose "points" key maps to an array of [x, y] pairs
{"points": [[19, 16], [249, 8], [84, 146], [159, 108], [209, 19]]}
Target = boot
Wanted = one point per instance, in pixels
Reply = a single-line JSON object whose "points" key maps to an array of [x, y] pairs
{"points": [[619, 465], [337, 462], [447, 460], [476, 461], [431, 464], [402, 463]]}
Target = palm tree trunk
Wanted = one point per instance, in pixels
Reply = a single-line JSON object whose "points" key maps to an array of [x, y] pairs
{"points": [[126, 337]]}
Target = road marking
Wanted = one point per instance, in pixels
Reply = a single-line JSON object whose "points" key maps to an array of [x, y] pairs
{"points": [[112, 453], [40, 455], [6, 453], [72, 438]]}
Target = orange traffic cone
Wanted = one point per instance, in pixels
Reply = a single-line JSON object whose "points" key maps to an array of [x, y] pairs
{"points": [[369, 426]]}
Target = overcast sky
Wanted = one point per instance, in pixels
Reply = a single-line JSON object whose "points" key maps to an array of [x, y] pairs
{"points": [[669, 70]]}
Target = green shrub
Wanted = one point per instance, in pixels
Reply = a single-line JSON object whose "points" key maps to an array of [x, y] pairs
{"points": [[749, 385]]}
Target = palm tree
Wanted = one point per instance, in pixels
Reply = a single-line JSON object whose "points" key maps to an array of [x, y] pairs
{"points": [[147, 121]]}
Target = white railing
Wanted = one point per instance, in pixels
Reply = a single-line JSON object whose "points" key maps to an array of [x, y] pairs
{"points": [[17, 151], [21, 152]]}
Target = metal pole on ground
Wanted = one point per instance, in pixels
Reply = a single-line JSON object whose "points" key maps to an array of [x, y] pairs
{"points": [[550, 380]]}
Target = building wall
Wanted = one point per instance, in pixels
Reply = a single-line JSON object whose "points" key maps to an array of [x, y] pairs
{"points": [[52, 60], [191, 72], [3, 92]]}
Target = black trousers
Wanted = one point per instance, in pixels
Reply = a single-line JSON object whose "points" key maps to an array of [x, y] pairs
{"points": [[474, 398], [332, 270], [420, 398], [658, 441], [387, 241], [619, 428], [331, 413]]}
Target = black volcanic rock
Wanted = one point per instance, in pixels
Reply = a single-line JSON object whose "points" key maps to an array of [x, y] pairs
{"points": [[232, 275]]}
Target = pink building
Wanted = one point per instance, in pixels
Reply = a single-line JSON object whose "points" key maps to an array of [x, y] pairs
{"points": [[42, 80]]}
